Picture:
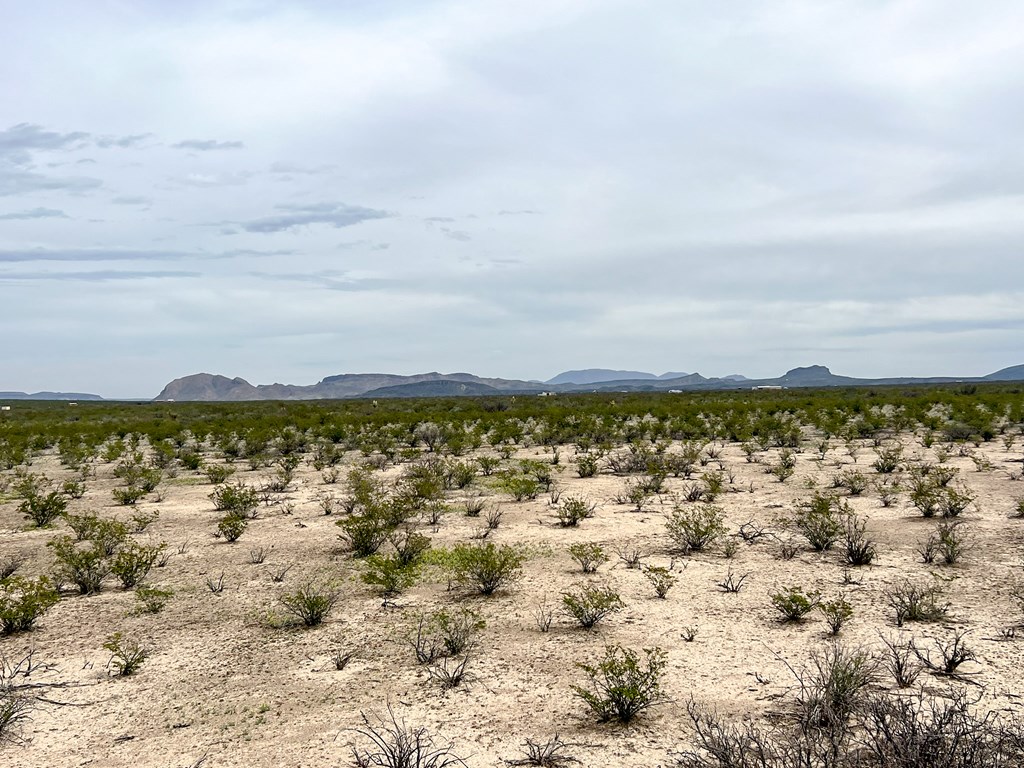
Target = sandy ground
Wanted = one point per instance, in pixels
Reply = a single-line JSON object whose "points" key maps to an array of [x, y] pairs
{"points": [[221, 685]]}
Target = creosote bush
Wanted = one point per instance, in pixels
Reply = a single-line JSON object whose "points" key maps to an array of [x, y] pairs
{"points": [[589, 604], [822, 519], [126, 655], [622, 685], [695, 528], [484, 567], [311, 603], [590, 556], [23, 601], [794, 604]]}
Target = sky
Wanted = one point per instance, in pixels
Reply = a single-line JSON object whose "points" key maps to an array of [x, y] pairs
{"points": [[284, 191]]}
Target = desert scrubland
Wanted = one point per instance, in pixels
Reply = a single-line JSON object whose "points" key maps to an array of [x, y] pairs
{"points": [[828, 578]]}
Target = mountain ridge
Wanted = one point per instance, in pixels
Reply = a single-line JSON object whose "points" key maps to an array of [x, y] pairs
{"points": [[213, 387]]}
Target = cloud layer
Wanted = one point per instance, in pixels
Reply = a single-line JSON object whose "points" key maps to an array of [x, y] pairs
{"points": [[288, 191]]}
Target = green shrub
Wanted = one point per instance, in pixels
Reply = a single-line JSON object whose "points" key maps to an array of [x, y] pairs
{"points": [[457, 629], [661, 578], [23, 601], [364, 533], [916, 602], [889, 459], [218, 473], [695, 528], [311, 603], [485, 567], [621, 686], [836, 612], [133, 562], [126, 655], [589, 604], [793, 604], [590, 556], [587, 464], [109, 535], [42, 509], [151, 599], [822, 520], [573, 510], [519, 486], [128, 495], [231, 527], [83, 566], [390, 574], [237, 499]]}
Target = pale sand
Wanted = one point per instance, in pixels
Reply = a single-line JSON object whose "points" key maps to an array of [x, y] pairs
{"points": [[221, 684]]}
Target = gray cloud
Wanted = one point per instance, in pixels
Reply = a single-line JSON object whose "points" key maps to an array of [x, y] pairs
{"points": [[207, 145], [122, 142], [131, 200], [26, 183], [19, 141], [96, 276], [295, 169], [332, 214], [126, 254], [35, 213]]}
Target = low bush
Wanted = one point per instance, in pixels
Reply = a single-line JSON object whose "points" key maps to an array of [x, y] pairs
{"points": [[311, 603], [622, 685], [133, 562], [231, 527], [126, 655], [915, 602], [83, 566], [695, 528], [41, 509], [485, 567], [794, 604], [390, 574], [661, 578], [23, 601], [573, 510], [590, 604], [822, 519], [590, 556]]}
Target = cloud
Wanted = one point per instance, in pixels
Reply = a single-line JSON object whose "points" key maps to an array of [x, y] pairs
{"points": [[13, 255], [35, 213], [122, 142], [131, 200], [19, 141], [295, 169], [26, 183], [222, 179], [207, 145], [97, 276], [332, 214]]}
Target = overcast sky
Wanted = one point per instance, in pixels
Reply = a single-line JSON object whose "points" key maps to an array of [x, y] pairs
{"points": [[285, 191]]}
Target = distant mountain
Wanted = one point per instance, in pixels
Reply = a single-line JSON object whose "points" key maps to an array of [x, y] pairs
{"points": [[1014, 373], [595, 375], [209, 387], [48, 396], [435, 389]]}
